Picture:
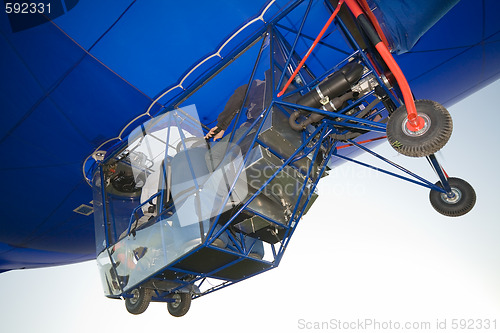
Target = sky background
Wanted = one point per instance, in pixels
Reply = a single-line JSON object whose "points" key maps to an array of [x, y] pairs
{"points": [[371, 247]]}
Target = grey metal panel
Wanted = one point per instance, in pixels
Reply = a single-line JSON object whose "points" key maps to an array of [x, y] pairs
{"points": [[277, 134], [285, 187], [268, 207], [259, 228], [277, 200]]}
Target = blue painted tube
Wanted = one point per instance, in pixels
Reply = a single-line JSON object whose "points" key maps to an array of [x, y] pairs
{"points": [[424, 184], [267, 182], [104, 206], [306, 14], [374, 124], [431, 185], [441, 174], [290, 232], [132, 220], [264, 115]]}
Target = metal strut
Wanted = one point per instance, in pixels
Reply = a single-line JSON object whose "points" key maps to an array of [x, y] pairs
{"points": [[443, 176]]}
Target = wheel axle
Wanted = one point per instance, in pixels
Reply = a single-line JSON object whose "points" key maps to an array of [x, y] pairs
{"points": [[416, 124], [461, 201]]}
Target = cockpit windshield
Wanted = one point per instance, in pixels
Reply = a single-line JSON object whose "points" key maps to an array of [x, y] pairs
{"points": [[159, 195]]}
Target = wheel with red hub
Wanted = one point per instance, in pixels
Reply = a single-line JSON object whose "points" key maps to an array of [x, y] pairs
{"points": [[435, 133]]}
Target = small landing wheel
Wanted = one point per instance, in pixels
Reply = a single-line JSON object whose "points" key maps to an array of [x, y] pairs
{"points": [[460, 203], [181, 304], [431, 138], [139, 301]]}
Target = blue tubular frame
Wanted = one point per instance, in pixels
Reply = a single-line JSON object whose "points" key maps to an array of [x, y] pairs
{"points": [[294, 223], [292, 50], [373, 126], [264, 115], [441, 174], [104, 206], [316, 140], [421, 182], [176, 101], [286, 163], [133, 217]]}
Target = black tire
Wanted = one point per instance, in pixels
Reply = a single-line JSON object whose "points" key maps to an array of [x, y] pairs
{"points": [[431, 138], [181, 305], [464, 201], [139, 302]]}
